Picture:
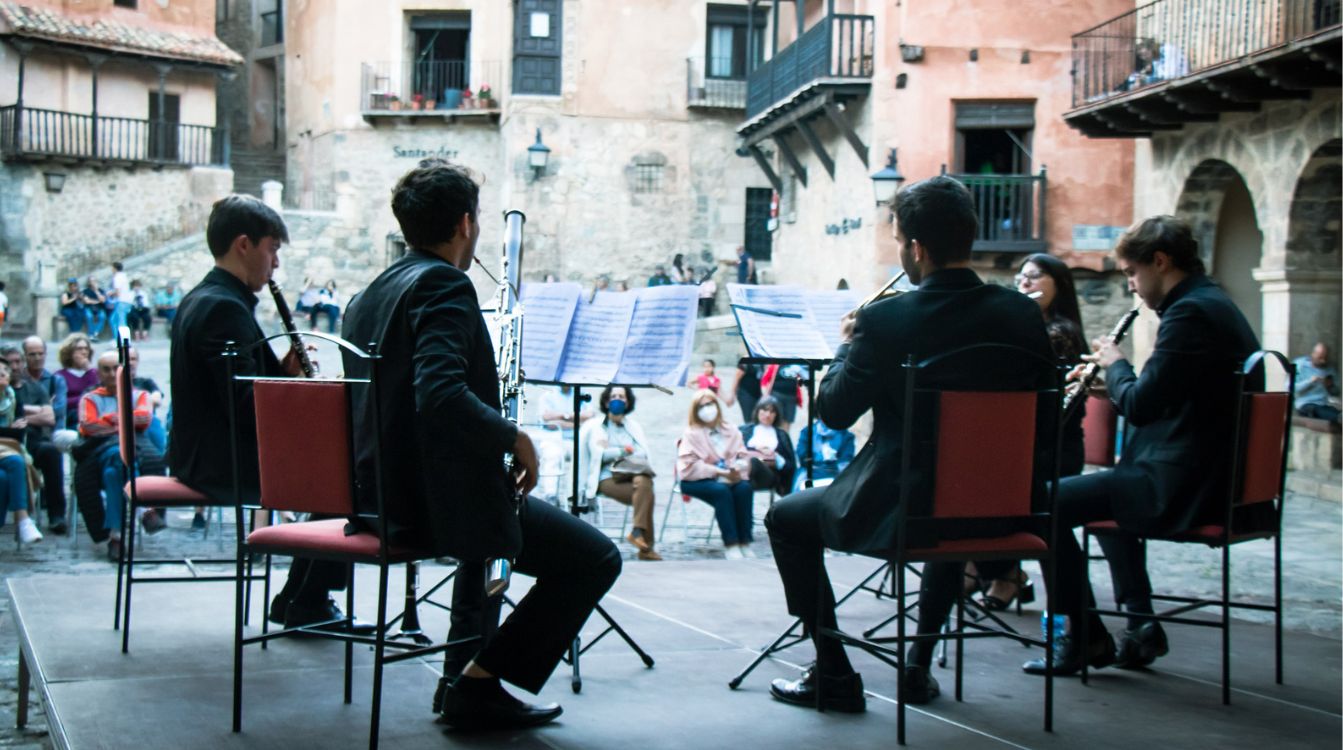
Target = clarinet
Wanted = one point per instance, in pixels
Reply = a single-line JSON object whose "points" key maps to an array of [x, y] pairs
{"points": [[508, 314], [1076, 394], [296, 341]]}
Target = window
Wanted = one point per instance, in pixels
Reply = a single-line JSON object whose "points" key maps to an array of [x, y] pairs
{"points": [[725, 44], [272, 22], [994, 137], [125, 3], [536, 46], [647, 178], [163, 126], [442, 50], [758, 241]]}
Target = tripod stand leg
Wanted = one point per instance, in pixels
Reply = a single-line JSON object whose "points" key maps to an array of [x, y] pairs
{"points": [[765, 654], [576, 682], [647, 660]]}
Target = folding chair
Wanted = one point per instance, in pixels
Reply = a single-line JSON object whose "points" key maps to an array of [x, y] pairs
{"points": [[1257, 475], [306, 458], [151, 491], [685, 503], [994, 457]]}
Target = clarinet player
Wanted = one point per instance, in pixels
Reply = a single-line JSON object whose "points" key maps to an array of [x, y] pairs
{"points": [[446, 485]]}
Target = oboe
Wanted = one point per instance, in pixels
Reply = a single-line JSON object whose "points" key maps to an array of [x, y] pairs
{"points": [[1076, 394], [295, 340], [508, 313]]}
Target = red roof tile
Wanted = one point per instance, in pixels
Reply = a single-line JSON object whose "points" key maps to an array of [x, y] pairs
{"points": [[51, 24]]}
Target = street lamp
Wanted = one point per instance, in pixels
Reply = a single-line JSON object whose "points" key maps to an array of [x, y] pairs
{"points": [[538, 155], [55, 181], [887, 182]]}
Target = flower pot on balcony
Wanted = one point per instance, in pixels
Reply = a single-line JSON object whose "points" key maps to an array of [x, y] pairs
{"points": [[452, 99], [394, 105]]}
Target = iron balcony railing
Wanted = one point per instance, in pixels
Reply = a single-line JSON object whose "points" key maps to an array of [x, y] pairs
{"points": [[429, 85], [1170, 39], [1011, 210], [838, 46], [709, 83], [34, 132]]}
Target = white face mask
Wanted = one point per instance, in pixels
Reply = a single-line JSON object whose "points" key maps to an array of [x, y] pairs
{"points": [[707, 413]]}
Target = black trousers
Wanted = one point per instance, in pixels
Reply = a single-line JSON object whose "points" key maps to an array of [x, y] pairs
{"points": [[48, 460], [1081, 500], [574, 565], [311, 582]]}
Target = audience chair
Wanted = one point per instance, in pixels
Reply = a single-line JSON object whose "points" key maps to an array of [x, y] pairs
{"points": [[306, 456], [150, 491], [1099, 432], [686, 500], [993, 457], [1257, 474]]}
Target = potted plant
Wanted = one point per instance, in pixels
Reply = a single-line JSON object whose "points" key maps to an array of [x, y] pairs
{"points": [[417, 102], [467, 101], [452, 98], [393, 102], [485, 97]]}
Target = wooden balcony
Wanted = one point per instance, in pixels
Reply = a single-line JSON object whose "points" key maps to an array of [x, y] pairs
{"points": [[429, 90], [33, 134], [1173, 62], [711, 85]]}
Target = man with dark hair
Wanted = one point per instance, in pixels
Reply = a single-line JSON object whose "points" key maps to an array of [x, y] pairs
{"points": [[951, 309], [452, 494], [1180, 412], [244, 236]]}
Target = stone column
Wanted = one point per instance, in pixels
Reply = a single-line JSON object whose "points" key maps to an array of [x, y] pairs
{"points": [[1300, 308], [272, 194]]}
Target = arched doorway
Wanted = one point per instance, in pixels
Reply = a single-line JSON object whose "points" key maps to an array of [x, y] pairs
{"points": [[1219, 208], [1315, 251]]}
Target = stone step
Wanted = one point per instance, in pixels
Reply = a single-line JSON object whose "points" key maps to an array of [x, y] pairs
{"points": [[1326, 485]]}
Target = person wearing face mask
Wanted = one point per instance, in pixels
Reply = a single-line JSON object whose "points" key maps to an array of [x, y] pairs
{"points": [[613, 461], [714, 466]]}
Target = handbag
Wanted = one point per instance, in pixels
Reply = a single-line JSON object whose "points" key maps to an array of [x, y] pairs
{"points": [[632, 465]]}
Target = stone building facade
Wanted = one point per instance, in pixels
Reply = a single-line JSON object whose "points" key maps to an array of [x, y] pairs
{"points": [[107, 131]]}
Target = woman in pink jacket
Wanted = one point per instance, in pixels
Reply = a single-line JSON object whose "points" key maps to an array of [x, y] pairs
{"points": [[713, 466]]}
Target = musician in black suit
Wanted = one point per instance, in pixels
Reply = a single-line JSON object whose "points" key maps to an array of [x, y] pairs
{"points": [[244, 236], [953, 308], [1180, 412], [445, 484]]}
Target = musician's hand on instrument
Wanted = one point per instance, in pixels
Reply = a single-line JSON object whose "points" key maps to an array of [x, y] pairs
{"points": [[1077, 371], [291, 365], [846, 326], [525, 465], [1108, 353]]}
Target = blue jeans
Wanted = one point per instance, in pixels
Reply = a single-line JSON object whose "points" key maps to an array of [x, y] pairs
{"points": [[732, 506], [14, 486], [114, 482], [95, 318], [118, 317], [1319, 411], [157, 434], [74, 318]]}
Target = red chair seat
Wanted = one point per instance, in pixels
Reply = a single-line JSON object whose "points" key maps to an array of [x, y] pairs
{"points": [[1020, 543], [159, 491], [326, 537], [1209, 534]]}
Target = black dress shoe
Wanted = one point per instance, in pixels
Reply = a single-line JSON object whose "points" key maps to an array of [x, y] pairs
{"points": [[58, 527], [920, 685], [297, 615], [1140, 646], [843, 693], [1068, 656], [472, 704], [278, 605]]}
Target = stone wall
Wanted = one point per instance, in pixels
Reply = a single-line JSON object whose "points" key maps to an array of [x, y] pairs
{"points": [[100, 215]]}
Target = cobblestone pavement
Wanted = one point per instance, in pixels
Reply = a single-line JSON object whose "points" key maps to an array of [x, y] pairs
{"points": [[1312, 555]]}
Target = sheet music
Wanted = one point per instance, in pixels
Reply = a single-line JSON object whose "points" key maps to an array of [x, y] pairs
{"points": [[773, 336], [548, 312], [661, 336], [828, 307], [596, 338]]}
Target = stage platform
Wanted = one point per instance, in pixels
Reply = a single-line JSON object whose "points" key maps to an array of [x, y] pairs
{"points": [[702, 621]]}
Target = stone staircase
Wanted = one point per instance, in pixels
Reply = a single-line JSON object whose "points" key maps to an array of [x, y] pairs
{"points": [[251, 167]]}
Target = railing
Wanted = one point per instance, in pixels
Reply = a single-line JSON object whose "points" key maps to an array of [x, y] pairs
{"points": [[1169, 39], [30, 131], [428, 85], [1011, 209], [272, 28], [838, 46], [712, 85]]}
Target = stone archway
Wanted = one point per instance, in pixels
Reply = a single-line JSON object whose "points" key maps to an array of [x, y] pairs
{"points": [[1309, 286], [1218, 206]]}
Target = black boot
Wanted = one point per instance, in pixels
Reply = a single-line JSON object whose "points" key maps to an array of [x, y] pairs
{"points": [[1068, 655]]}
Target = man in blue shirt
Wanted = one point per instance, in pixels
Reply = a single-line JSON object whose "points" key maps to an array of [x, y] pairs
{"points": [[1316, 381]]}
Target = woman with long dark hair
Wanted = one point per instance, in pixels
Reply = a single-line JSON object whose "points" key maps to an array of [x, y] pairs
{"points": [[1050, 278]]}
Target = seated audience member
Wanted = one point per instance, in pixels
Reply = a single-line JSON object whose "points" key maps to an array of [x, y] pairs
{"points": [[95, 307], [328, 304], [76, 358], [659, 277], [72, 306], [771, 450], [36, 415], [554, 441], [166, 301], [708, 290], [714, 466], [613, 460], [785, 385], [15, 482], [831, 449], [98, 423], [141, 316], [1316, 383], [707, 378]]}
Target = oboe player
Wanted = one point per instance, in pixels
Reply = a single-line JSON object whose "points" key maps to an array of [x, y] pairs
{"points": [[1180, 409], [244, 236], [446, 486]]}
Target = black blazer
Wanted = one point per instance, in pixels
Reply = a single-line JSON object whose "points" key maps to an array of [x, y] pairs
{"points": [[219, 309], [784, 485], [951, 309], [442, 433], [1173, 473]]}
